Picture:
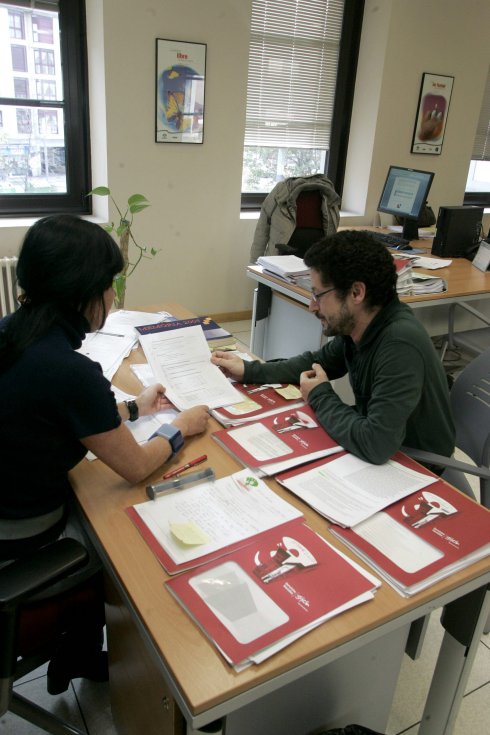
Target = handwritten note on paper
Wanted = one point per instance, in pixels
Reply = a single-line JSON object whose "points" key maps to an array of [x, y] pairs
{"points": [[226, 511]]}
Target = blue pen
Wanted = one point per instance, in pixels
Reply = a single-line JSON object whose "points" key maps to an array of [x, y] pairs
{"points": [[153, 491]]}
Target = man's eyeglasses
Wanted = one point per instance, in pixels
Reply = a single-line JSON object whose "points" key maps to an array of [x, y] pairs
{"points": [[317, 296]]}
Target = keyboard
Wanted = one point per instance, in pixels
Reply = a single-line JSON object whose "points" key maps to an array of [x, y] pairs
{"points": [[390, 241]]}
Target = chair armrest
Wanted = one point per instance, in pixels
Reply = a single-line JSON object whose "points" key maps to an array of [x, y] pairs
{"points": [[29, 575], [441, 461]]}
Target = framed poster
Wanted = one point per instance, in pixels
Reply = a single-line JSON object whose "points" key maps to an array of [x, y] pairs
{"points": [[433, 106], [180, 78]]}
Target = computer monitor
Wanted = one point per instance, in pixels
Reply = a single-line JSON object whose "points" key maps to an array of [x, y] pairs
{"points": [[404, 195]]}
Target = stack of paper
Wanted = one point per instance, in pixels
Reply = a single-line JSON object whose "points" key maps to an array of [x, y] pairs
{"points": [[178, 355], [111, 344], [347, 490], [257, 402], [194, 525], [403, 274], [422, 538], [261, 598], [278, 442], [423, 283], [287, 267]]}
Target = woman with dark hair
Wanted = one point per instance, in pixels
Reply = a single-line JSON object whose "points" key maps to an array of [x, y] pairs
{"points": [[56, 403]]}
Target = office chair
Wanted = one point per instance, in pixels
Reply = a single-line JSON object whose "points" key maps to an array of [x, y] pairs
{"points": [[474, 341], [30, 628], [470, 405]]}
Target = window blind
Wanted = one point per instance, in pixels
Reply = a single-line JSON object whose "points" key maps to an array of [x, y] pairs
{"points": [[292, 74], [481, 146]]}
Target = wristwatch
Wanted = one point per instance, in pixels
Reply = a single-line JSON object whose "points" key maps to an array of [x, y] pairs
{"points": [[133, 410], [173, 436]]}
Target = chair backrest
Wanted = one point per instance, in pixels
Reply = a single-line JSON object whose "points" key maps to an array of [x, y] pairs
{"points": [[470, 404]]}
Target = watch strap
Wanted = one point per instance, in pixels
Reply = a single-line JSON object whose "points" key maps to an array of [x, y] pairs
{"points": [[133, 410], [173, 435]]}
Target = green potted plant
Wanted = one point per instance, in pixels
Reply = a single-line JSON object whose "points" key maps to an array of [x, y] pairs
{"points": [[124, 231]]}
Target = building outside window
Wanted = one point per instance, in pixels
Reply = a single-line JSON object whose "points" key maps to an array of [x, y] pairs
{"points": [[44, 144], [42, 29], [19, 58], [21, 88], [45, 89], [16, 25], [44, 61], [299, 95]]}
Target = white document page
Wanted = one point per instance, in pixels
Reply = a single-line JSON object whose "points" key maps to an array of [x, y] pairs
{"points": [[108, 349], [224, 511], [124, 320], [180, 361], [403, 547], [429, 263], [348, 490]]}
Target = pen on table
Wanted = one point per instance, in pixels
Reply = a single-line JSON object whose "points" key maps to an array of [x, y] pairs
{"points": [[191, 463], [110, 334], [153, 491]]}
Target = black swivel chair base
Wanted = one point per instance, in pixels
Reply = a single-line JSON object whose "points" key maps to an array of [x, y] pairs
{"points": [[40, 717]]}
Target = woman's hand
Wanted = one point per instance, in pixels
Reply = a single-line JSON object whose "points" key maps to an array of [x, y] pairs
{"points": [[152, 400], [192, 421]]}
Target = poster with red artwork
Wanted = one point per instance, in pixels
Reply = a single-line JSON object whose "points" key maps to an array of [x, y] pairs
{"points": [[430, 123]]}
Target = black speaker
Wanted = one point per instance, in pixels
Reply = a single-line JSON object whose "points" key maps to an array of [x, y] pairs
{"points": [[458, 232]]}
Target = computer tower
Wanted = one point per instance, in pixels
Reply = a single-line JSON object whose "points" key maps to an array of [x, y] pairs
{"points": [[458, 232]]}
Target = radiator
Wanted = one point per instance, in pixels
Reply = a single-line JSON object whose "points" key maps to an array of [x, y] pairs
{"points": [[8, 286]]}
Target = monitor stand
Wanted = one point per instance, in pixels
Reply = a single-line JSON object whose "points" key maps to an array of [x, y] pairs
{"points": [[410, 229]]}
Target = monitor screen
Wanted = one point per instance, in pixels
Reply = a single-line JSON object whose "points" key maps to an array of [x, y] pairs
{"points": [[404, 195]]}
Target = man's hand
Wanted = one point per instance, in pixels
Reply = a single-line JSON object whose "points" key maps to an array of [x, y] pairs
{"points": [[311, 378], [232, 365]]}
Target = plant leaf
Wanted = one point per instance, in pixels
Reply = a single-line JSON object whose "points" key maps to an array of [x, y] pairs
{"points": [[138, 199], [137, 207], [100, 191]]}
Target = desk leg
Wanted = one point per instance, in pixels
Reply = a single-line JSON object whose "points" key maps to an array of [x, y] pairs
{"points": [[464, 620]]}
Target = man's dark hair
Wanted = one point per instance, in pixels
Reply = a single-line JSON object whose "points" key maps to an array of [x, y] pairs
{"points": [[350, 256]]}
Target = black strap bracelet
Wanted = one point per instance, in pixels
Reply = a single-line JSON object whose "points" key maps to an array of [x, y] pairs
{"points": [[133, 410]]}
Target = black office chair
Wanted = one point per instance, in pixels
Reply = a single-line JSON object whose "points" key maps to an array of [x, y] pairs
{"points": [[470, 405], [30, 629]]}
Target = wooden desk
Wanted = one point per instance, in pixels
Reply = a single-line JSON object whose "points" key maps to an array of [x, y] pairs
{"points": [[343, 671], [282, 327]]}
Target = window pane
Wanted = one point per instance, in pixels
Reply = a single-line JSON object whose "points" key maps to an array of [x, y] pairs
{"points": [[16, 25], [293, 59], [32, 144], [44, 61], [21, 88], [32, 158], [263, 167], [478, 176], [42, 29], [19, 58]]}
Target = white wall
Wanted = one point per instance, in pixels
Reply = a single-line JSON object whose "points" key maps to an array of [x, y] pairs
{"points": [[195, 189]]}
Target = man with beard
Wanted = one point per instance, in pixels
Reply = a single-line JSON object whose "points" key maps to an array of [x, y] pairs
{"points": [[400, 388]]}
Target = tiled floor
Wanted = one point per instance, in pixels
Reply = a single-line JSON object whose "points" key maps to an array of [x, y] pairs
{"points": [[86, 705]]}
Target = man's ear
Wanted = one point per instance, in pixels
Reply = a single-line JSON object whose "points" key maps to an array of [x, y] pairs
{"points": [[358, 291]]}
